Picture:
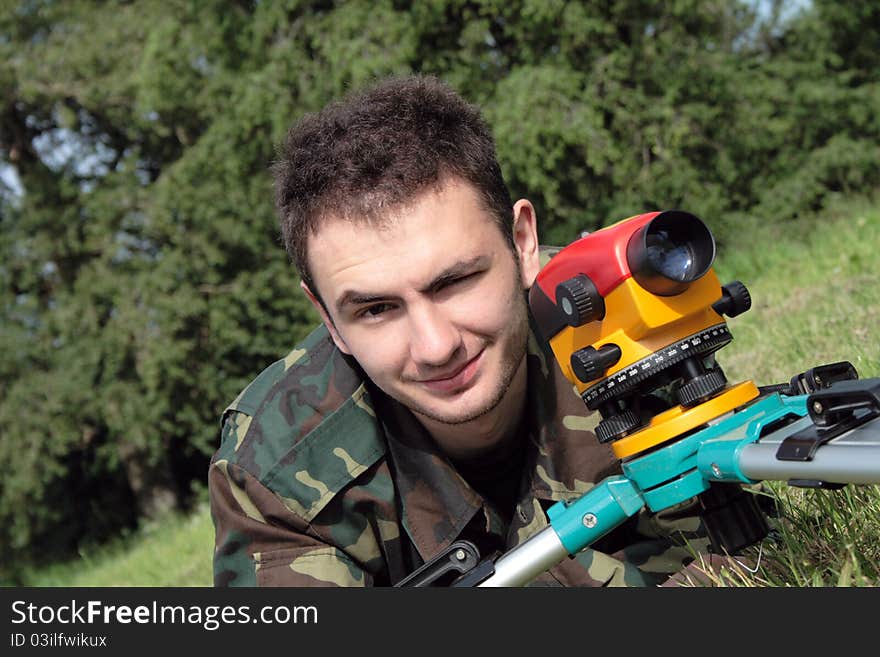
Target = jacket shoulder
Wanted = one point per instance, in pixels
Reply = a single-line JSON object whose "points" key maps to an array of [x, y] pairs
{"points": [[315, 350], [304, 427]]}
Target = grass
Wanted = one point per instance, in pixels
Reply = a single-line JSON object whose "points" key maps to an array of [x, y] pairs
{"points": [[172, 551], [822, 539], [815, 286]]}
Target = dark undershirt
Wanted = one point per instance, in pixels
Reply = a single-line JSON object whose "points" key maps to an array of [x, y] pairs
{"points": [[496, 475]]}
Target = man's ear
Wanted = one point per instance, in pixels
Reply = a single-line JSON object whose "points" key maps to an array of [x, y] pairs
{"points": [[525, 238], [328, 321]]}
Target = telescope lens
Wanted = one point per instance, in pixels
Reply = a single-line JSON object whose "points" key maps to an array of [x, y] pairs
{"points": [[673, 260], [671, 251]]}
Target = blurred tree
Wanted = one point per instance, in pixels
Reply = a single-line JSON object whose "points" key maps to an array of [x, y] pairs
{"points": [[143, 281]]}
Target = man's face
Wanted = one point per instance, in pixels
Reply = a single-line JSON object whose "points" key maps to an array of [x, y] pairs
{"points": [[431, 303]]}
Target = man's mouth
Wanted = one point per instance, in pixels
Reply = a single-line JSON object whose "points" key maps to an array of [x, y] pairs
{"points": [[455, 379]]}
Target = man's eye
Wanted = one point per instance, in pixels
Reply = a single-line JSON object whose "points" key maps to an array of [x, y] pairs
{"points": [[461, 279], [375, 310]]}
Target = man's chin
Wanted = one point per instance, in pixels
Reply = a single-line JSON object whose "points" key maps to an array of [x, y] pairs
{"points": [[456, 412]]}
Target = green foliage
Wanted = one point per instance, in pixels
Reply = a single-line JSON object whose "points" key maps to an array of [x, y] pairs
{"points": [[142, 282]]}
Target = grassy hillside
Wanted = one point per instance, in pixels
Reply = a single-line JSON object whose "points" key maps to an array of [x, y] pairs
{"points": [[815, 287], [174, 552]]}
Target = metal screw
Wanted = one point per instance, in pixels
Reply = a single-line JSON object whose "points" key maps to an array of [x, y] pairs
{"points": [[590, 520], [460, 555], [817, 407], [716, 470]]}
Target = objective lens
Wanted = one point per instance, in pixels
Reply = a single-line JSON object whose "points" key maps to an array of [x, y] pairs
{"points": [[671, 251], [675, 261]]}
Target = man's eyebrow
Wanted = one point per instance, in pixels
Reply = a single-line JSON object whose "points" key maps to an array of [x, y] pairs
{"points": [[354, 298], [459, 269], [451, 273]]}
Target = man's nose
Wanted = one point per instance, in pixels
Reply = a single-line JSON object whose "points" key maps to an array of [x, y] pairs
{"points": [[433, 337]]}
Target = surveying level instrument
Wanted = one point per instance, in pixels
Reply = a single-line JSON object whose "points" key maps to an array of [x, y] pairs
{"points": [[634, 315]]}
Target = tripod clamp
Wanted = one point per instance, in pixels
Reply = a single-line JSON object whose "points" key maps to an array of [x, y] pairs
{"points": [[834, 412]]}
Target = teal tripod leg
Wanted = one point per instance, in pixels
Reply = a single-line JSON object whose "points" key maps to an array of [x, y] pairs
{"points": [[573, 526]]}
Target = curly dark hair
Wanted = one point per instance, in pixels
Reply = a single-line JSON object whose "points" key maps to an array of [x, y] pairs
{"points": [[378, 149]]}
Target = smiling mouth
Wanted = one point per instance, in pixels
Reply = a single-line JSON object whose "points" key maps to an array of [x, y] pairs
{"points": [[457, 380]]}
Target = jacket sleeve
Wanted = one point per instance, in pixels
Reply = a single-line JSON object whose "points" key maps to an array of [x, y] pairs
{"points": [[260, 542]]}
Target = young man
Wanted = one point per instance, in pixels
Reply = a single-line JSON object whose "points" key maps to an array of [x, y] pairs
{"points": [[424, 409]]}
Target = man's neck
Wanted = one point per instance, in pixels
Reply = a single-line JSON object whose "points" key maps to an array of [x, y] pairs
{"points": [[472, 439]]}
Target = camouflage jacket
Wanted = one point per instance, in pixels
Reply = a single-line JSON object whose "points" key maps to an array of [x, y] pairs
{"points": [[322, 480]]}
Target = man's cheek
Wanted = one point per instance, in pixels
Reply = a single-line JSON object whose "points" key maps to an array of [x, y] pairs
{"points": [[493, 319], [381, 354], [486, 312]]}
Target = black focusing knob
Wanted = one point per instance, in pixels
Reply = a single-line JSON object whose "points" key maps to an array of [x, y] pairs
{"points": [[579, 301], [701, 388], [590, 364], [617, 426], [735, 300]]}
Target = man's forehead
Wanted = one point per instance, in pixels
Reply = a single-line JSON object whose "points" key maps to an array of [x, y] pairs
{"points": [[349, 257], [369, 213], [438, 230]]}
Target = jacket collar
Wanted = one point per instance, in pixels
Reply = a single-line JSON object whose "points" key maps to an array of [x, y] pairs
{"points": [[437, 503]]}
